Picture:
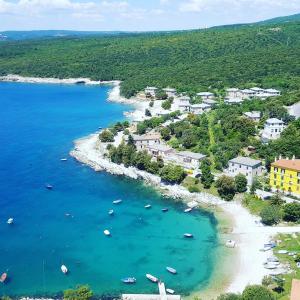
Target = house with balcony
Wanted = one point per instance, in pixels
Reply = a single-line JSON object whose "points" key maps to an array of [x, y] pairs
{"points": [[246, 166], [141, 142], [159, 150], [285, 176], [190, 161], [184, 107], [273, 92], [233, 93], [247, 94], [233, 101], [272, 129]]}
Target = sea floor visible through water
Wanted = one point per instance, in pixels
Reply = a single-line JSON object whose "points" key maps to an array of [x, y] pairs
{"points": [[65, 225]]}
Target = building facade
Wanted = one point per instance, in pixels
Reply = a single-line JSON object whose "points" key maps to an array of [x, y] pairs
{"points": [[150, 90], [273, 129], [245, 166], [285, 176]]}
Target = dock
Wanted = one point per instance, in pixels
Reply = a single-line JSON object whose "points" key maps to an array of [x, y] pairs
{"points": [[162, 295]]}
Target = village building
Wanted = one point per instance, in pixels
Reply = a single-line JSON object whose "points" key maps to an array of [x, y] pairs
{"points": [[233, 93], [206, 95], [210, 102], [253, 115], [258, 91], [159, 150], [273, 129], [150, 90], [200, 108], [273, 92], [184, 106], [170, 92], [190, 161], [285, 176], [142, 141], [246, 166], [233, 101], [247, 94]]}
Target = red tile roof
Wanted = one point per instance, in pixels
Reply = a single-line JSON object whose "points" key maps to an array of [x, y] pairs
{"points": [[288, 164]]}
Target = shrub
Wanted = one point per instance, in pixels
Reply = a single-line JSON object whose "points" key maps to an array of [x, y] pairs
{"points": [[172, 174], [229, 296], [240, 182], [193, 189], [106, 136], [226, 187], [291, 212], [257, 292], [80, 293], [270, 215]]}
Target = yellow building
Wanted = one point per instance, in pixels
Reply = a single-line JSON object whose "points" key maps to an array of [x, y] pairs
{"points": [[285, 176]]}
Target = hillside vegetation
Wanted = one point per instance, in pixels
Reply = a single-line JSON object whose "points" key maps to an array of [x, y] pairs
{"points": [[189, 61]]}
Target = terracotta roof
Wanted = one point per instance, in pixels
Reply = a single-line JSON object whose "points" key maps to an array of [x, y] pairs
{"points": [[295, 293], [288, 164]]}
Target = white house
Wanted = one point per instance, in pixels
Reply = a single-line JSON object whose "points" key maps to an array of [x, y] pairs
{"points": [[159, 150], [188, 160], [151, 90], [247, 94], [210, 102], [273, 129], [273, 92], [258, 91], [246, 166], [170, 92], [200, 108], [184, 99], [206, 95], [253, 115], [233, 93], [142, 141], [233, 101], [184, 106]]}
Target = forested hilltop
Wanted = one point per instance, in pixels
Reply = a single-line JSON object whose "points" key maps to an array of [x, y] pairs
{"points": [[190, 61]]}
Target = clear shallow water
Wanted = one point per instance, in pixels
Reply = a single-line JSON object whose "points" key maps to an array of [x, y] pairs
{"points": [[38, 125]]}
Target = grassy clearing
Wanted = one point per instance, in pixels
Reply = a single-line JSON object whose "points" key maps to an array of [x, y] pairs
{"points": [[193, 183], [253, 204]]}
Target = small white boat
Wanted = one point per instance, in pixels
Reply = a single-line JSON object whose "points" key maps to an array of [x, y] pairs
{"points": [[111, 212], [152, 278], [10, 221], [230, 244], [188, 235], [171, 270], [147, 206], [282, 251], [63, 159], [64, 269], [188, 210], [106, 232], [117, 201], [49, 187], [170, 291]]}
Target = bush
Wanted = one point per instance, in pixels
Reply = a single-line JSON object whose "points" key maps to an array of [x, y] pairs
{"points": [[229, 296], [193, 189], [291, 212], [172, 174], [207, 178], [226, 187], [106, 136], [240, 182], [80, 293], [166, 104], [257, 292], [270, 215]]}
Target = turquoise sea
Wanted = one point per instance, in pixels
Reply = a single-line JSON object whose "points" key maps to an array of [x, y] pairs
{"points": [[38, 126]]}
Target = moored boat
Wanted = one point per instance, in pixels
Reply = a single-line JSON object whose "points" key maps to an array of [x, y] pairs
{"points": [[129, 280], [171, 270], [64, 269], [188, 235], [188, 210], [10, 221], [165, 209], [152, 278], [3, 277], [170, 291], [117, 201], [147, 206], [49, 187], [63, 159], [111, 212], [106, 232]]}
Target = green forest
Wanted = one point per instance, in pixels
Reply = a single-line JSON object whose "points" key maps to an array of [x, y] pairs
{"points": [[192, 61]]}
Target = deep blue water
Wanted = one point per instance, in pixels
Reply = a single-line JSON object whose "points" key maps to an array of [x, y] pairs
{"points": [[38, 126]]}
